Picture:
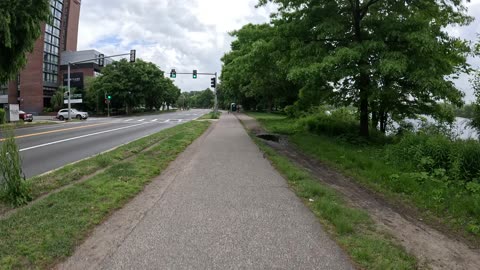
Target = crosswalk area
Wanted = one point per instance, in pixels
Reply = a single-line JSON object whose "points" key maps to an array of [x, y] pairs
{"points": [[137, 120]]}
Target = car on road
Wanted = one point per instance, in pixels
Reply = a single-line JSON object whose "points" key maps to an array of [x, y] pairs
{"points": [[63, 114], [27, 117]]}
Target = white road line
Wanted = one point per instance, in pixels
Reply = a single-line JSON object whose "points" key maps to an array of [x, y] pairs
{"points": [[141, 120], [166, 121], [128, 120], [179, 120], [78, 137], [154, 120]]}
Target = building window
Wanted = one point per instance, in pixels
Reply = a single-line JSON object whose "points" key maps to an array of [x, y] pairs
{"points": [[4, 89]]}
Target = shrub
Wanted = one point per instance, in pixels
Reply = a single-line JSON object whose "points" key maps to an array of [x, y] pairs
{"points": [[339, 122], [14, 188], [423, 152], [2, 117], [466, 163]]}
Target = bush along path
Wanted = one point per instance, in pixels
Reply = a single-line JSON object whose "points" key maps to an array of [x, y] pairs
{"points": [[431, 247], [47, 231]]}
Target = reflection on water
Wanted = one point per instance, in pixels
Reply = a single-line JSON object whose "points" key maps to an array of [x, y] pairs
{"points": [[460, 128]]}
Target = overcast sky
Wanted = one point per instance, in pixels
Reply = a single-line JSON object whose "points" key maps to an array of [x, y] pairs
{"points": [[188, 35]]}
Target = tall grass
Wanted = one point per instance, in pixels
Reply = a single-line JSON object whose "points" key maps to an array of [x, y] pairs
{"points": [[14, 188]]}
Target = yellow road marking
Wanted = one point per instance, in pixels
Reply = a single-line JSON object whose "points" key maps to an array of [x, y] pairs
{"points": [[54, 131]]}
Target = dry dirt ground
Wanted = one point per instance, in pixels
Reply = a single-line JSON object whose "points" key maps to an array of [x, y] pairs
{"points": [[433, 248]]}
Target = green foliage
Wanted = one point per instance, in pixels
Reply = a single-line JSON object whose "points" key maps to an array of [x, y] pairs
{"points": [[426, 153], [57, 101], [390, 59], [2, 117], [132, 86], [19, 29], [13, 187], [198, 99], [337, 122]]}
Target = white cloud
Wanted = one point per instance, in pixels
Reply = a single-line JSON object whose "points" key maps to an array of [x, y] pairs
{"points": [[182, 34]]}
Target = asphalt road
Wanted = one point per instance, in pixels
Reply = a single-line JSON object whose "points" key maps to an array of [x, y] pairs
{"points": [[45, 148]]}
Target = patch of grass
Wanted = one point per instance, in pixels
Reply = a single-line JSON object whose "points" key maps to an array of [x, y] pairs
{"points": [[276, 123], [22, 124], [454, 203], [210, 115], [47, 232], [70, 173], [352, 228]]}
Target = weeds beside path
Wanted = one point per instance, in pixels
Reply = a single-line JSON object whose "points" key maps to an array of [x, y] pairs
{"points": [[46, 232], [429, 245]]}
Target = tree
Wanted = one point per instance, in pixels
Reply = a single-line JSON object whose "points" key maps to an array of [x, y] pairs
{"points": [[57, 100], [254, 69], [384, 56], [19, 29], [133, 85]]}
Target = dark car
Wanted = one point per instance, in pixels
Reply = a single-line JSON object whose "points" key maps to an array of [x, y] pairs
{"points": [[27, 117]]}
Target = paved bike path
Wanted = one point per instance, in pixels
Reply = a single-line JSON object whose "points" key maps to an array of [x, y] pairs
{"points": [[220, 205]]}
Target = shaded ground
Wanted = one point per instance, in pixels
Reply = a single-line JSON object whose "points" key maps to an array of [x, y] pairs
{"points": [[433, 248]]}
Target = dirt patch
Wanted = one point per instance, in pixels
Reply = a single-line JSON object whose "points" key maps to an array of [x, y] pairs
{"points": [[433, 248]]}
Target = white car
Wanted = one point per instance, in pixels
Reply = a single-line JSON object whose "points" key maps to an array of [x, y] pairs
{"points": [[63, 114]]}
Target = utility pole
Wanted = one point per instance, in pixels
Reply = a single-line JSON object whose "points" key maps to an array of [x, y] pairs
{"points": [[69, 104]]}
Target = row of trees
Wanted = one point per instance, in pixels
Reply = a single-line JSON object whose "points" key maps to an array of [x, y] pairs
{"points": [[388, 58], [139, 85], [196, 99]]}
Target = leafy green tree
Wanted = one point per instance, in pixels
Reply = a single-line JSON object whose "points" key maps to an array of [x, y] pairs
{"points": [[387, 57], [19, 29], [57, 101], [254, 68], [133, 85]]}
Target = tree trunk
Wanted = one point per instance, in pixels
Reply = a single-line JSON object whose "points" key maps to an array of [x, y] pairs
{"points": [[383, 122], [364, 111], [363, 82]]}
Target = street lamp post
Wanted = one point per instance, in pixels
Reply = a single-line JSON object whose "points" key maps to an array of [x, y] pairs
{"points": [[68, 89]]}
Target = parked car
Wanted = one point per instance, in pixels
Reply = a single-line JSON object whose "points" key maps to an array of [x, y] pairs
{"points": [[27, 117], [63, 114]]}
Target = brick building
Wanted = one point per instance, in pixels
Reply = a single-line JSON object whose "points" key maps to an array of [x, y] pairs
{"points": [[38, 81]]}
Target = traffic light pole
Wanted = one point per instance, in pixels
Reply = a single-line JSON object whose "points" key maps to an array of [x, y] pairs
{"points": [[215, 106], [132, 52]]}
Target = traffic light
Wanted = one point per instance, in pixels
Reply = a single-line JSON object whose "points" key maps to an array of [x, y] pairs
{"points": [[173, 73], [213, 82], [101, 59], [194, 73], [132, 55], [109, 97]]}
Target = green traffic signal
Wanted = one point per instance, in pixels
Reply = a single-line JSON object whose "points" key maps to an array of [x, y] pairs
{"points": [[194, 73], [109, 97]]}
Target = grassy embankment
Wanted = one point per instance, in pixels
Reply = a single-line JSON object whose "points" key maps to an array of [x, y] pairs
{"points": [[352, 228], [47, 231], [430, 172]]}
